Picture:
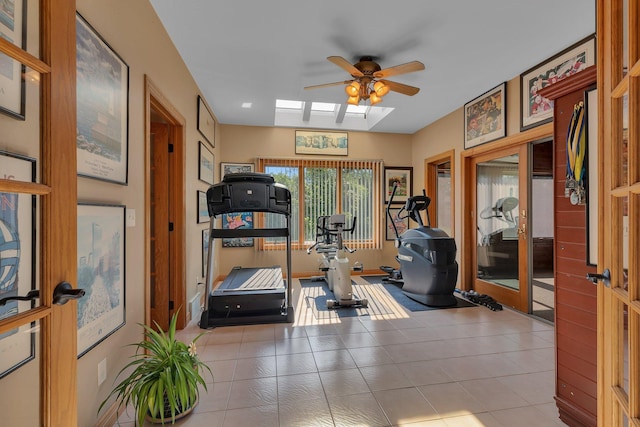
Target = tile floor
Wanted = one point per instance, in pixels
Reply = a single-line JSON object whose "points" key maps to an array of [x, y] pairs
{"points": [[439, 368]]}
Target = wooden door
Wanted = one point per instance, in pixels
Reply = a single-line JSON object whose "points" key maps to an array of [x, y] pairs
{"points": [[161, 226], [38, 386], [619, 149], [500, 211]]}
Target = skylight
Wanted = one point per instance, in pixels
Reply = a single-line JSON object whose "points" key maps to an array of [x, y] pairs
{"points": [[325, 115]]}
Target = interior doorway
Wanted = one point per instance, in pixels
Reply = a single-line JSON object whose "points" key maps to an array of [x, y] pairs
{"points": [[165, 225], [541, 242]]}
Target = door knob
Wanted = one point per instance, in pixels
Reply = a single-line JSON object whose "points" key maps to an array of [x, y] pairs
{"points": [[64, 292], [605, 277], [31, 295]]}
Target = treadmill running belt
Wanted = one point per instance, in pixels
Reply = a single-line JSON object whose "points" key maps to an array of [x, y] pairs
{"points": [[252, 280]]}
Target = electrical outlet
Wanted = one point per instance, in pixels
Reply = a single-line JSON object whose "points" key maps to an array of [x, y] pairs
{"points": [[102, 371]]}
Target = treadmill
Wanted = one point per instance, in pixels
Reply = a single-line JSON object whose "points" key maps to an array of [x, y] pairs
{"points": [[248, 295]]}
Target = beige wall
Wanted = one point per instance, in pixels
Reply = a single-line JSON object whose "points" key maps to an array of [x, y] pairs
{"points": [[135, 33], [245, 143]]}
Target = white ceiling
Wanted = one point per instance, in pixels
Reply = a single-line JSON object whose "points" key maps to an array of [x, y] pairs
{"points": [[258, 51]]}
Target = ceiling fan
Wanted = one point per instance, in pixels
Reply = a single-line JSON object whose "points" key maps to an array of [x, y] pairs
{"points": [[369, 79]]}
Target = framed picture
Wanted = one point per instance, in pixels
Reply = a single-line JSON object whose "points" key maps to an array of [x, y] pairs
{"points": [[485, 117], [101, 273], [205, 250], [534, 109], [403, 177], [205, 164], [402, 224], [206, 124], [13, 22], [103, 107], [203, 210], [322, 142], [17, 260], [226, 168], [234, 220]]}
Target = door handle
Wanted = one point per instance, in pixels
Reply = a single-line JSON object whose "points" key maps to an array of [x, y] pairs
{"points": [[605, 277], [64, 292], [31, 295], [522, 231]]}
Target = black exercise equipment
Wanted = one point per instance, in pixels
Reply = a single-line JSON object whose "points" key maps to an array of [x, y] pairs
{"points": [[427, 256], [256, 294], [497, 251]]}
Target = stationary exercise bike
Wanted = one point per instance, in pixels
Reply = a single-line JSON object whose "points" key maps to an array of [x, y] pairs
{"points": [[335, 264], [427, 256]]}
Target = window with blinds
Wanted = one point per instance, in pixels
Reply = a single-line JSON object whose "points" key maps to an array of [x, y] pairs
{"points": [[326, 187]]}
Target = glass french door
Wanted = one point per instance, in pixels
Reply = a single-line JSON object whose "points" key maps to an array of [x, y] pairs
{"points": [[500, 211], [619, 148], [37, 213]]}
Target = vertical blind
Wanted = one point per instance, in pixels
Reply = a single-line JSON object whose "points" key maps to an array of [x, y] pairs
{"points": [[325, 187]]}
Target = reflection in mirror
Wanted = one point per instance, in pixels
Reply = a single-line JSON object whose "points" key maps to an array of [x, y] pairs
{"points": [[443, 197], [497, 222]]}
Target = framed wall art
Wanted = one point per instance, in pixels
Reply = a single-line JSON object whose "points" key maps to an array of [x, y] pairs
{"points": [[234, 220], [203, 210], [13, 22], [205, 164], [322, 142], [205, 250], [535, 109], [402, 224], [103, 107], [403, 177], [206, 123], [485, 117], [101, 273], [17, 260], [226, 168]]}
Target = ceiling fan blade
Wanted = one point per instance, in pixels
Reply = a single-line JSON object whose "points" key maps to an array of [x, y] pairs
{"points": [[409, 67], [401, 88], [345, 65], [329, 84]]}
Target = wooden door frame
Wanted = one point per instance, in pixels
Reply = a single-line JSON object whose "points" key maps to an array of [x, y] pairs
{"points": [[467, 158], [157, 102]]}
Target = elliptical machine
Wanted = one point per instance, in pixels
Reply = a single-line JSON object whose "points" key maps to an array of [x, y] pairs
{"points": [[427, 256], [335, 264]]}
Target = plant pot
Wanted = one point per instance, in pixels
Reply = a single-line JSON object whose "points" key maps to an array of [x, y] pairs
{"points": [[167, 414]]}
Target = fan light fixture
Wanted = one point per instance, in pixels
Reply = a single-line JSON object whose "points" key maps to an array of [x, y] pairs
{"points": [[370, 80], [366, 88]]}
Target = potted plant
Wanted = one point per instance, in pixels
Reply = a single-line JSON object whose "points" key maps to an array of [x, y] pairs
{"points": [[166, 373]]}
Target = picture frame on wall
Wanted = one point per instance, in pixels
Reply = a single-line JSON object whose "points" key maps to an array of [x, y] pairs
{"points": [[535, 109], [403, 176], [206, 164], [227, 168], [485, 117], [102, 94], [234, 220], [101, 273], [402, 224], [206, 123], [13, 22], [203, 210], [17, 256], [205, 250], [326, 143]]}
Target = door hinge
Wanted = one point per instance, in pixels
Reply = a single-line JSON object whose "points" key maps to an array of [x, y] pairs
{"points": [[170, 305], [171, 148], [170, 226]]}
